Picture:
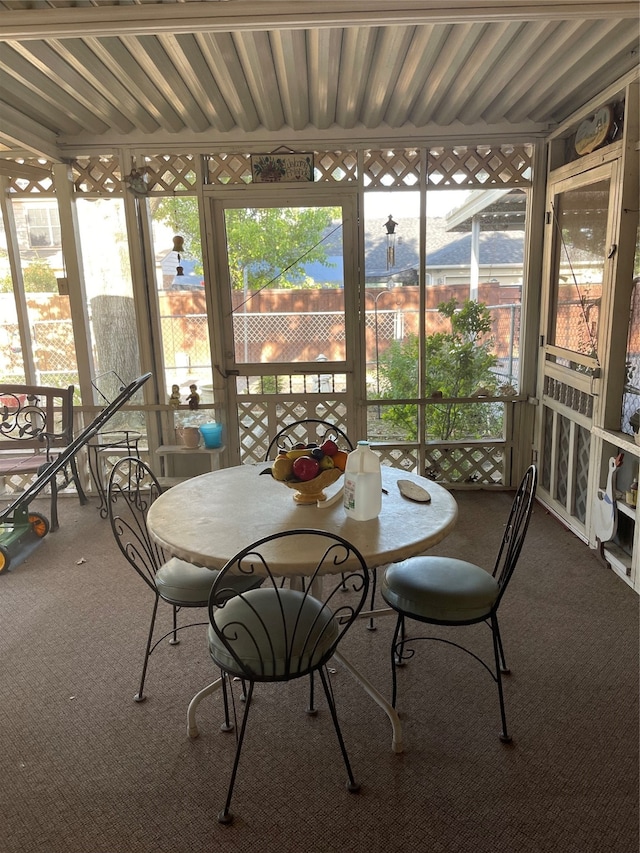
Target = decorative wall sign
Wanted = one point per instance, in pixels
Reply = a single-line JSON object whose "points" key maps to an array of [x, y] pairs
{"points": [[281, 168], [593, 131]]}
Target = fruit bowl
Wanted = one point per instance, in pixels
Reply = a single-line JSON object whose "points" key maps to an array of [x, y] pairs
{"points": [[312, 491]]}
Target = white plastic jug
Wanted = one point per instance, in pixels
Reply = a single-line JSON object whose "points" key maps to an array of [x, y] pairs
{"points": [[363, 483]]}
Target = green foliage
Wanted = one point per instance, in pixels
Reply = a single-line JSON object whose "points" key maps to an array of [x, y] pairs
{"points": [[458, 363], [38, 277], [265, 245]]}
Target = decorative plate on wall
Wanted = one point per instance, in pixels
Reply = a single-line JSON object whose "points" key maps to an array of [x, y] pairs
{"points": [[593, 131]]}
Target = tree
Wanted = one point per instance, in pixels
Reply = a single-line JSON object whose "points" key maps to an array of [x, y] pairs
{"points": [[264, 245], [38, 277], [459, 363]]}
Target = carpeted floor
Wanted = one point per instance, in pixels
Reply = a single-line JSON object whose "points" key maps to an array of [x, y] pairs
{"points": [[84, 769]]}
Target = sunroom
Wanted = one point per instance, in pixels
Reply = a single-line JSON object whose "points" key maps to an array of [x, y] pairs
{"points": [[420, 224]]}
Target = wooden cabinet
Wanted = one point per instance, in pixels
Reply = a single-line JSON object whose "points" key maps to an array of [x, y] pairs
{"points": [[622, 552]]}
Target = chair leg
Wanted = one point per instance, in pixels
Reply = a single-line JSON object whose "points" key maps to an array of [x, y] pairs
{"points": [[374, 579], [227, 726], [54, 505], [395, 662], [174, 641], [503, 665], [140, 697], [352, 785], [504, 736], [225, 815], [76, 479], [311, 710]]}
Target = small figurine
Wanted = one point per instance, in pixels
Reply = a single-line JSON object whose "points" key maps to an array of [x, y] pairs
{"points": [[194, 398], [174, 399]]}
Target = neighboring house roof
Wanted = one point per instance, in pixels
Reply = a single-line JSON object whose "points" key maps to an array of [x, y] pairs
{"points": [[496, 247]]}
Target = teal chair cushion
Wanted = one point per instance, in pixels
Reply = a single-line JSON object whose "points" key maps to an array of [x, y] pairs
{"points": [[439, 588], [275, 633], [179, 581]]}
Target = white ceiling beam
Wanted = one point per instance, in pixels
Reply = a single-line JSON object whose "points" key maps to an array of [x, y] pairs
{"points": [[263, 140], [290, 58], [43, 83], [253, 15], [483, 64], [19, 131], [557, 45], [357, 53], [324, 49], [220, 53], [254, 50], [74, 80], [15, 169], [99, 74], [516, 56], [184, 51], [167, 79], [113, 53], [379, 87]]}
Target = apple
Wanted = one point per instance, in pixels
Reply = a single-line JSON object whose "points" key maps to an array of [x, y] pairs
{"points": [[329, 447], [305, 468]]}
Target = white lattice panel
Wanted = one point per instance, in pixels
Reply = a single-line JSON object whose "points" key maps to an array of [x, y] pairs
{"points": [[483, 166], [35, 178], [471, 463], [227, 169], [261, 420], [170, 173], [390, 168], [97, 175], [335, 166]]}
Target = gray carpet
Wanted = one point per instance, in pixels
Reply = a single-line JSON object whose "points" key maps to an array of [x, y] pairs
{"points": [[84, 769]]}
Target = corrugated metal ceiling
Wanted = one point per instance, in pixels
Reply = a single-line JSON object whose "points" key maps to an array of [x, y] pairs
{"points": [[76, 75]]}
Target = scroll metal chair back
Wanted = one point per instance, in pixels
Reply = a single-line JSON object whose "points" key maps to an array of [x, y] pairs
{"points": [[278, 633], [307, 430], [445, 591], [132, 489]]}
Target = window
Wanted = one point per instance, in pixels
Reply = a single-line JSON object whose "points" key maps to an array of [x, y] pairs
{"points": [[43, 226]]}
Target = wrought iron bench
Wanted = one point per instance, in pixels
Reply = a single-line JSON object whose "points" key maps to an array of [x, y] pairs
{"points": [[36, 425]]}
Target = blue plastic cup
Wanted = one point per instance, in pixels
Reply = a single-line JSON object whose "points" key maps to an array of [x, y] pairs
{"points": [[212, 434]]}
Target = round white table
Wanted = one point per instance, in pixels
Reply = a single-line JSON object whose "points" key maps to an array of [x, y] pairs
{"points": [[206, 520]]}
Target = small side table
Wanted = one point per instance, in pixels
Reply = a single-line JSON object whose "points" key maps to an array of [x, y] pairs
{"points": [[119, 442], [180, 462]]}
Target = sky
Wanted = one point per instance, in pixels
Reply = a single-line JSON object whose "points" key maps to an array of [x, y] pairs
{"points": [[378, 205]]}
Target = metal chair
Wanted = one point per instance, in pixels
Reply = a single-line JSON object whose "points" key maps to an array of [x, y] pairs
{"points": [[445, 591], [36, 426], [132, 489], [307, 430], [279, 633]]}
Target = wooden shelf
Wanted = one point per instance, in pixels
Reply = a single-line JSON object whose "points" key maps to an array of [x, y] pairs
{"points": [[626, 509], [618, 559], [181, 463], [622, 440], [166, 449]]}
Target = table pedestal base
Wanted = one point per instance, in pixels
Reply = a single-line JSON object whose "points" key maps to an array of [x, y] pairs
{"points": [[378, 698]]}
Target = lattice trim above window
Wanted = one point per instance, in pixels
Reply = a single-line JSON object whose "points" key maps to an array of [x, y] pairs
{"points": [[170, 173], [161, 174], [32, 178], [483, 166], [97, 175]]}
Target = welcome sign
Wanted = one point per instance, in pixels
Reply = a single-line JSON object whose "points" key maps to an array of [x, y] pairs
{"points": [[281, 168]]}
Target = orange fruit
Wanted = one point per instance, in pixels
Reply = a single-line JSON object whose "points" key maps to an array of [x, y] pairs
{"points": [[340, 459]]}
